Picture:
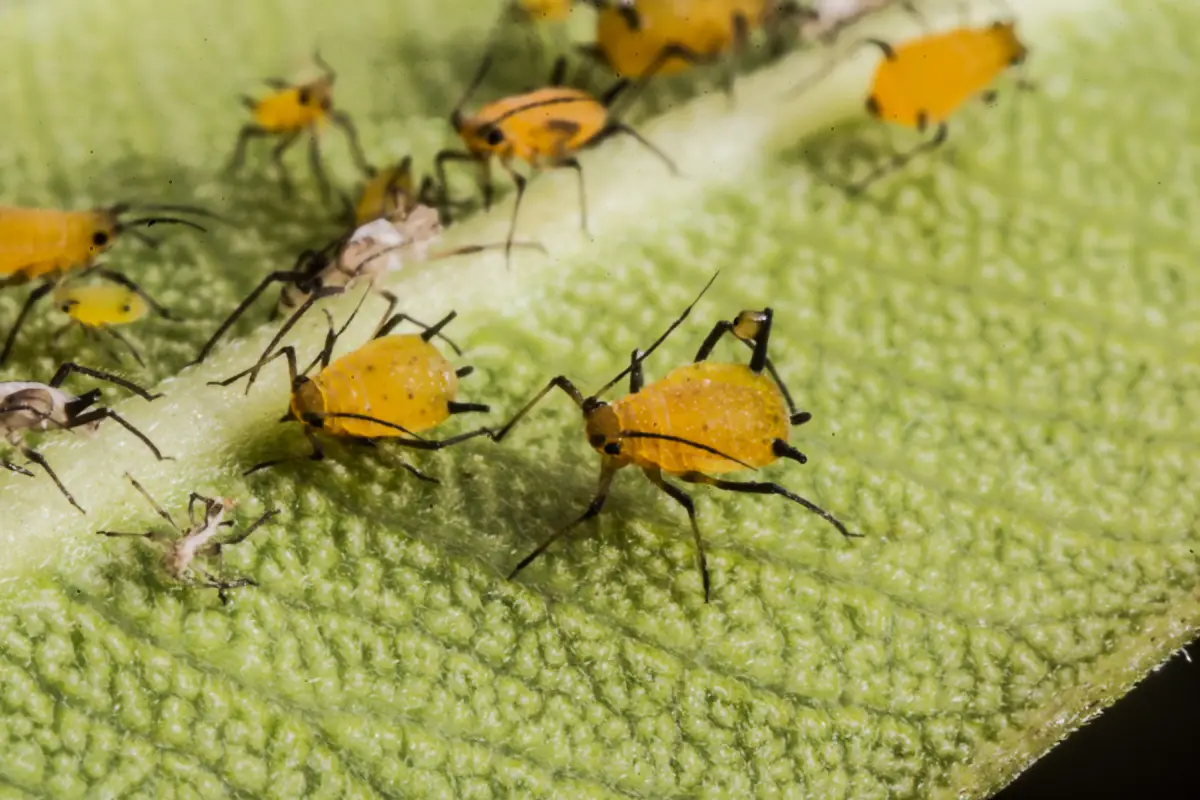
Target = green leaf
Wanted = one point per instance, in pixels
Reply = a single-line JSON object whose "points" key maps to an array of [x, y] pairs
{"points": [[997, 346]]}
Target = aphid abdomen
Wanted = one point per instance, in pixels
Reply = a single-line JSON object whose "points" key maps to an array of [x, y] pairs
{"points": [[403, 380], [35, 242], [724, 406], [283, 112]]}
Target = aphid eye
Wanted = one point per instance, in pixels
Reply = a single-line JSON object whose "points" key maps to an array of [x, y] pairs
{"points": [[597, 439], [66, 307], [613, 448], [494, 136], [303, 97], [99, 238], [125, 309]]}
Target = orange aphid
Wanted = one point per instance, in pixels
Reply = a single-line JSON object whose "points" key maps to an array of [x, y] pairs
{"points": [[701, 420]]}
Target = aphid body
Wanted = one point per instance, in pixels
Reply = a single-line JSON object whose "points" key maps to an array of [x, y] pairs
{"points": [[184, 552], [699, 421], [46, 244], [291, 110], [394, 387], [99, 305], [30, 406], [545, 128]]}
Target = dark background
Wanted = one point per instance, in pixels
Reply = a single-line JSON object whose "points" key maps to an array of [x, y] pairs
{"points": [[1145, 746]]}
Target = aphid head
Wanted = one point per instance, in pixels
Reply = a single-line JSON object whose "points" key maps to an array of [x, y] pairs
{"points": [[316, 94], [748, 324], [1006, 33], [603, 427]]}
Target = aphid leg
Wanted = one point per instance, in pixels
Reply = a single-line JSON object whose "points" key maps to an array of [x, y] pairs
{"points": [[573, 163], [251, 528], [726, 326], [222, 585], [40, 460], [834, 61], [467, 408], [278, 84], [285, 179], [606, 476], [439, 163], [756, 487], [287, 351], [415, 443], [681, 497], [317, 454], [560, 382], [429, 331], [119, 279], [342, 120], [395, 459], [193, 498], [559, 72], [99, 414], [37, 294], [741, 39], [11, 467], [152, 535], [899, 160], [128, 345], [247, 133], [286, 276], [70, 367], [314, 163], [613, 128], [315, 297], [518, 181], [153, 503]]}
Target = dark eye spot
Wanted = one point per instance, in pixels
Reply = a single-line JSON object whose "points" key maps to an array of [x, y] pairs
{"points": [[494, 136], [613, 448], [66, 307], [125, 309], [596, 439], [303, 96], [99, 238]]}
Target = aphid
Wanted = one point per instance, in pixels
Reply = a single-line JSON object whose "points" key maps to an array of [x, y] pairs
{"points": [[45, 244], [389, 194], [393, 387], [651, 37], [532, 17], [98, 308], [28, 406], [289, 111], [922, 82], [185, 549], [700, 420], [545, 128], [377, 248]]}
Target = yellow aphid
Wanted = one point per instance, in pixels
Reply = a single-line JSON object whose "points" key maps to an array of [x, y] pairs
{"points": [[701, 420], [293, 109], [99, 305], [44, 244], [394, 387]]}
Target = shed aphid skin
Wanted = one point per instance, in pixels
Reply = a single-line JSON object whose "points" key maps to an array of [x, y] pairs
{"points": [[545, 128], [40, 244], [28, 406], [923, 81], [185, 551], [665, 37], [289, 111], [375, 249], [700, 420], [394, 387], [389, 194], [98, 309]]}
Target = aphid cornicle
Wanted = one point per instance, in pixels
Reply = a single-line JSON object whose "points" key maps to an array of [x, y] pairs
{"points": [[291, 110], [393, 387], [199, 542], [380, 246], [922, 82], [98, 308], [700, 420], [28, 406], [664, 37], [46, 244], [545, 128]]}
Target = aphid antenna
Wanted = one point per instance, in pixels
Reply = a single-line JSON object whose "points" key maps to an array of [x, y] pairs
{"points": [[644, 354], [480, 74], [323, 65]]}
